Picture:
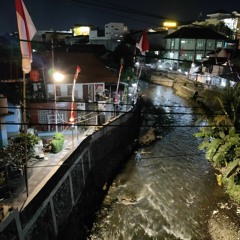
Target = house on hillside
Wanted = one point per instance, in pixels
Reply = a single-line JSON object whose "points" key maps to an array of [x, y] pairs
{"points": [[191, 43], [230, 19], [217, 69]]}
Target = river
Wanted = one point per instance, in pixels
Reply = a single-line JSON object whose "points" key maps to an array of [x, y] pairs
{"points": [[171, 192]]}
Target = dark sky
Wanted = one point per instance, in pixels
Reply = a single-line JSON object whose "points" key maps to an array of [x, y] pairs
{"points": [[136, 14]]}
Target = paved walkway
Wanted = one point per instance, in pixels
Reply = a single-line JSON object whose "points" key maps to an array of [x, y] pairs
{"points": [[41, 170]]}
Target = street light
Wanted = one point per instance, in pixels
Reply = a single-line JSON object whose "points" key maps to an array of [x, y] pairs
{"points": [[57, 77]]}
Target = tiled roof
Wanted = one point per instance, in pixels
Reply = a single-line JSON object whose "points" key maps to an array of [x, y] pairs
{"points": [[92, 69], [196, 33]]}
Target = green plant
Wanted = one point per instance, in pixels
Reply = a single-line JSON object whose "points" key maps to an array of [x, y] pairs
{"points": [[219, 142], [14, 152], [57, 142], [30, 139]]}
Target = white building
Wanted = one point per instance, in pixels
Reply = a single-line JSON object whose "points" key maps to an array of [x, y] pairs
{"points": [[115, 30], [111, 37], [231, 20]]}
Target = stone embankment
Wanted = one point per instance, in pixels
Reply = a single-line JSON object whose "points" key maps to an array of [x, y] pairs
{"points": [[204, 94]]}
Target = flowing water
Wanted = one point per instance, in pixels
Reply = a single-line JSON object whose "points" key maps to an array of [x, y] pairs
{"points": [[171, 192]]}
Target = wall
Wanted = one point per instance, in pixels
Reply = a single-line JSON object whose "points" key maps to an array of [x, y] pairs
{"points": [[78, 183]]}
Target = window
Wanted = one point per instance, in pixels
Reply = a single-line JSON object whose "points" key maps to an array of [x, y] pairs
{"points": [[199, 56], [200, 44], [219, 44], [69, 90], [210, 44], [58, 91]]}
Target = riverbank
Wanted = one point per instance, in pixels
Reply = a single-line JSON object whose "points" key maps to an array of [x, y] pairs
{"points": [[222, 223]]}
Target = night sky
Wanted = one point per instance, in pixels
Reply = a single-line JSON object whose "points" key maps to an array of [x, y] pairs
{"points": [[136, 14]]}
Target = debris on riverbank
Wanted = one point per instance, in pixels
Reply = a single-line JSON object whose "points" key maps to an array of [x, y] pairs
{"points": [[221, 224]]}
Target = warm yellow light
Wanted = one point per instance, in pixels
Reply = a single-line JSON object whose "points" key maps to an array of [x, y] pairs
{"points": [[169, 24], [58, 77], [83, 30]]}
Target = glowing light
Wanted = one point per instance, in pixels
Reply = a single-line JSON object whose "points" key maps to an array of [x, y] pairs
{"points": [[170, 24], [171, 54], [58, 76], [82, 30], [137, 64]]}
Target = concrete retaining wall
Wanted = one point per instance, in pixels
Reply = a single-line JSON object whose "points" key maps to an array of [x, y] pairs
{"points": [[46, 215]]}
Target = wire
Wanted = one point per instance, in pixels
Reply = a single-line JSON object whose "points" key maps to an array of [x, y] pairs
{"points": [[142, 158], [115, 7]]}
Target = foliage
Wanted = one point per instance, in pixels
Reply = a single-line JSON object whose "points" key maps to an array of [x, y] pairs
{"points": [[31, 140], [219, 143], [128, 75], [124, 52], [14, 151], [221, 139], [57, 142], [2, 179], [233, 187]]}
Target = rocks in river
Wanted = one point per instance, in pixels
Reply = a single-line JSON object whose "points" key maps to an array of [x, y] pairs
{"points": [[128, 200], [148, 137]]}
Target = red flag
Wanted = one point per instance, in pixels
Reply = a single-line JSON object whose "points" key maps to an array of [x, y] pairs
{"points": [[78, 70], [26, 31], [143, 44]]}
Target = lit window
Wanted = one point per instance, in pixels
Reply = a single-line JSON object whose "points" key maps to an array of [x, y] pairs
{"points": [[199, 56], [219, 44]]}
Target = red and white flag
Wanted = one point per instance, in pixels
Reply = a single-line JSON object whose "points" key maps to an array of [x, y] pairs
{"points": [[26, 31], [78, 70], [143, 44]]}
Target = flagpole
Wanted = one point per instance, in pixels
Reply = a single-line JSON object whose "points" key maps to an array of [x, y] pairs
{"points": [[25, 132], [119, 76], [26, 30]]}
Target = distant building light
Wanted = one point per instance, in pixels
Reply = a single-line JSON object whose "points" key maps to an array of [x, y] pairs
{"points": [[168, 24], [81, 31]]}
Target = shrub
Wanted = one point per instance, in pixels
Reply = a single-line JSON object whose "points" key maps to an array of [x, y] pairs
{"points": [[57, 142], [31, 139]]}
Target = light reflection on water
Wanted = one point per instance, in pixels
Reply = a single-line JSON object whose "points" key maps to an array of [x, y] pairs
{"points": [[168, 194]]}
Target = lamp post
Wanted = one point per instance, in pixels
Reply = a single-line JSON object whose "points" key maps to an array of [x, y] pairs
{"points": [[57, 77]]}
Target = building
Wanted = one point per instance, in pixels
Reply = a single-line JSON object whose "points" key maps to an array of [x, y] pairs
{"points": [[231, 20], [111, 36], [192, 43], [94, 88]]}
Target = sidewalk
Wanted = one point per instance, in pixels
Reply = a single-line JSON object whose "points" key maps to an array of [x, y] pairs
{"points": [[42, 169]]}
